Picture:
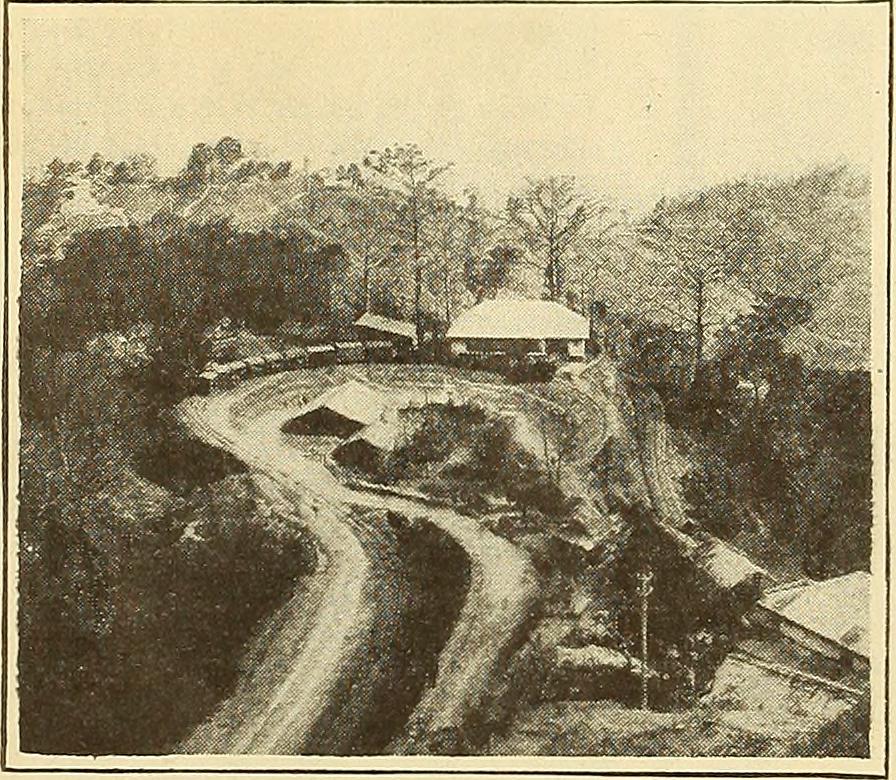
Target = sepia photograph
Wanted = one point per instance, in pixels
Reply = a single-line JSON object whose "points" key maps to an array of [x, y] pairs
{"points": [[488, 381]]}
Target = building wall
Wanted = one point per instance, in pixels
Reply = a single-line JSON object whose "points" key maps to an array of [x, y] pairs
{"points": [[818, 655], [520, 347], [322, 422], [576, 348], [371, 334], [361, 455]]}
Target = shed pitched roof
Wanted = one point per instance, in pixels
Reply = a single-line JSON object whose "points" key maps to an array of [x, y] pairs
{"points": [[520, 319], [837, 609], [380, 434], [353, 400], [388, 325], [727, 567]]}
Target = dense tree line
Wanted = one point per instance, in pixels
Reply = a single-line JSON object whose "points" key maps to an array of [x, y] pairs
{"points": [[380, 235], [781, 451], [170, 271], [790, 476], [707, 255]]}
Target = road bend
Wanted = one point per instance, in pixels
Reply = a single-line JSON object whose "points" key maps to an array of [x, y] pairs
{"points": [[317, 661]]}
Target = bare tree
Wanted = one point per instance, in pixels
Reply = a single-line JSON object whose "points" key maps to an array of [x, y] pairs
{"points": [[365, 223], [691, 250], [589, 253], [484, 271], [415, 174], [448, 227], [550, 215]]}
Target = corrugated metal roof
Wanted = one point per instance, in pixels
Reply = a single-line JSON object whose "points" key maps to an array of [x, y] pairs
{"points": [[521, 319], [352, 400], [837, 609], [727, 567], [388, 325]]}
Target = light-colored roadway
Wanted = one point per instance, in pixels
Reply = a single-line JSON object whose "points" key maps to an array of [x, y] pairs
{"points": [[502, 591]]}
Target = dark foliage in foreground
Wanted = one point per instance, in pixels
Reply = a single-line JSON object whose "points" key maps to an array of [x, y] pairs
{"points": [[690, 629], [784, 467], [177, 275], [134, 603]]}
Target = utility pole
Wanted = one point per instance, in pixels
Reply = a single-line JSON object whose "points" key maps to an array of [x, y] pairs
{"points": [[645, 579]]}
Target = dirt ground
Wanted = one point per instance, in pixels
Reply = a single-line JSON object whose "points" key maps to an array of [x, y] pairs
{"points": [[247, 421], [607, 729]]}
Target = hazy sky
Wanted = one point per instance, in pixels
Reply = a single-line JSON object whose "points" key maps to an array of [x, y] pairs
{"points": [[635, 100]]}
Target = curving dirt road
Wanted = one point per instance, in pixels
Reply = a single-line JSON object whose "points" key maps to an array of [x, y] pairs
{"points": [[325, 655]]}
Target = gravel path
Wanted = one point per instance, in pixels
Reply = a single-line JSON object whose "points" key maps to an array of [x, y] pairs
{"points": [[501, 593]]}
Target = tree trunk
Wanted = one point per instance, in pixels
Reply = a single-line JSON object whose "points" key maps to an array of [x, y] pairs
{"points": [[447, 307], [418, 270], [698, 332], [447, 281], [597, 314], [645, 579], [551, 273], [366, 282], [418, 306]]}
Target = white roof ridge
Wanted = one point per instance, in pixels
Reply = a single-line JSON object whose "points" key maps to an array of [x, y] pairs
{"points": [[519, 319]]}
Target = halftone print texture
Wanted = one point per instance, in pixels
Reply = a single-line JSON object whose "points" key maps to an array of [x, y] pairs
{"points": [[353, 461]]}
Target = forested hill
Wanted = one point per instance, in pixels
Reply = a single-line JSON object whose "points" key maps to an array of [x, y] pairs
{"points": [[807, 237], [247, 222], [109, 244]]}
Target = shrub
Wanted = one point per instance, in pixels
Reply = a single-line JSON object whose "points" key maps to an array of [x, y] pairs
{"points": [[121, 611]]}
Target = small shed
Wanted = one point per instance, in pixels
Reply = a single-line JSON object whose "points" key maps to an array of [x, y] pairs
{"points": [[340, 411], [373, 327], [829, 618], [369, 447], [220, 337]]}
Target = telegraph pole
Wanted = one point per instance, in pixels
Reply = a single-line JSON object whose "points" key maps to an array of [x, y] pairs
{"points": [[645, 579]]}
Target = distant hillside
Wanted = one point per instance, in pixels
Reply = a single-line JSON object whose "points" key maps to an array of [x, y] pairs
{"points": [[806, 236], [364, 218], [216, 182]]}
